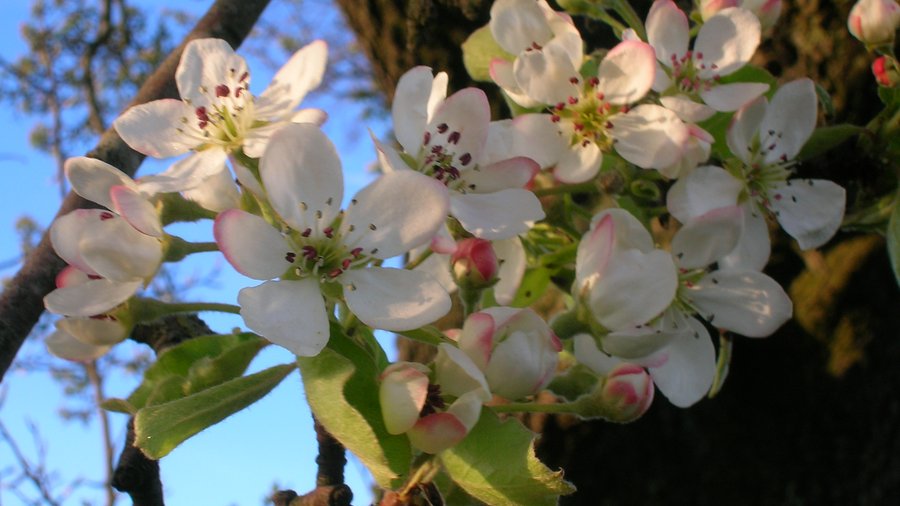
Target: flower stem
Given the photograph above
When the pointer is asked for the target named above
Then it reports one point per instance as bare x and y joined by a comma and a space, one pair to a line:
623, 8
146, 310
415, 262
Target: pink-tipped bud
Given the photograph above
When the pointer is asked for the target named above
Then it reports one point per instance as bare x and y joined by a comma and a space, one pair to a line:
474, 264
627, 392
885, 71
874, 22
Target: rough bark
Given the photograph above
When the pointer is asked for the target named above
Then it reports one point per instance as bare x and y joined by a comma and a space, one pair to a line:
21, 301
807, 416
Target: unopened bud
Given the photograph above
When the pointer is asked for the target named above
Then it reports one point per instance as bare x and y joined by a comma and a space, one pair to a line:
874, 21
767, 11
627, 392
885, 70
474, 264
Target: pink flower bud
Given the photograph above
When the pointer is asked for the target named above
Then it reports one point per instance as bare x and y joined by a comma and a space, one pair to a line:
627, 393
874, 21
474, 263
885, 71
709, 8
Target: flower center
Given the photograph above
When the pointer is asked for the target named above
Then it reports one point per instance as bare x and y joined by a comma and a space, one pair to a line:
441, 160
588, 114
760, 175
227, 117
686, 73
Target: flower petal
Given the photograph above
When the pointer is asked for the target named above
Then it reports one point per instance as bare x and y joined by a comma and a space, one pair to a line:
158, 128
497, 215
301, 171
92, 179
515, 172
635, 288
533, 136
477, 338
688, 372
732, 96
650, 136
503, 74
251, 245
415, 91
457, 374
811, 210
742, 301
668, 31
544, 74
687, 109
511, 256
518, 24
402, 394
65, 236
205, 64
97, 332
587, 353
726, 42
137, 210
302, 72
379, 221
744, 126
289, 313
118, 252
754, 246
704, 189
460, 125
707, 238
791, 118
63, 345
216, 193
187, 173
627, 72
394, 299
578, 163
95, 297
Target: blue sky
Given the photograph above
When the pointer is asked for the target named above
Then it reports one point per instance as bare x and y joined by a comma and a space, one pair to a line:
235, 462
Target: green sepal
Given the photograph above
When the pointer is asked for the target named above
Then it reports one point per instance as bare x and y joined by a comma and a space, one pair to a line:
496, 464
578, 380
478, 51
159, 429
341, 385
534, 283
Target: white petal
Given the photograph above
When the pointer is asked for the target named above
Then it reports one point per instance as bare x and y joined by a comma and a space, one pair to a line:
533, 136
90, 299
687, 109
503, 74
578, 163
395, 213
667, 31
256, 140
301, 172
649, 136
515, 172
116, 251
464, 118
511, 256
497, 215
635, 288
315, 116
594, 251
66, 232
544, 75
246, 179
457, 374
690, 368
811, 210
744, 126
205, 64
742, 301
92, 179
302, 72
97, 332
704, 189
627, 72
642, 344
517, 24
402, 394
708, 237
153, 128
137, 210
251, 245
726, 41
291, 314
65, 346
394, 299
587, 353
754, 246
438, 267
216, 193
732, 96
187, 173
792, 117
410, 108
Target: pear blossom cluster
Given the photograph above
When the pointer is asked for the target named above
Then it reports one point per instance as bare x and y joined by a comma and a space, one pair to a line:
482, 210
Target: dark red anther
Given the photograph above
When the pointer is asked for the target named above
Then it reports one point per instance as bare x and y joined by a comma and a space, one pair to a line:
329, 232
222, 90
94, 276
689, 284
536, 46
437, 149
594, 81
609, 125
201, 113
465, 159
237, 92
554, 118
453, 138
573, 80
573, 100
106, 215
442, 128
290, 256
355, 252
453, 172
777, 196
426, 138
335, 273
306, 232
699, 55
309, 252
579, 127
244, 76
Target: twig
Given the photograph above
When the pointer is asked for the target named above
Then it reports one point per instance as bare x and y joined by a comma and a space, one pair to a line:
96, 381
21, 301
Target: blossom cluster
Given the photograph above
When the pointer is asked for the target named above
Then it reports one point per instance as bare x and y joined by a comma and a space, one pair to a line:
475, 207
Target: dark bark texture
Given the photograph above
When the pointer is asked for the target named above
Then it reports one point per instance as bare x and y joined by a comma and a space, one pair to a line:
807, 416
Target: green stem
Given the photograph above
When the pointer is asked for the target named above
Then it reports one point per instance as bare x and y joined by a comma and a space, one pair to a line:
415, 262
177, 248
199, 307
533, 407
623, 8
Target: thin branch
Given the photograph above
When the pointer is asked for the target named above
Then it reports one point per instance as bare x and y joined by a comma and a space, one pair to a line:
104, 32
21, 302
96, 381
36, 475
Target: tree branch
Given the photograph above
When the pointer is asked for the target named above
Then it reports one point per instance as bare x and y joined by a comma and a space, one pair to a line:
21, 302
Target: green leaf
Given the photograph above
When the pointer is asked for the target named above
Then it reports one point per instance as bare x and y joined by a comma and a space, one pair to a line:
118, 406
496, 464
341, 386
534, 283
751, 74
159, 429
826, 138
893, 238
478, 51
230, 353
